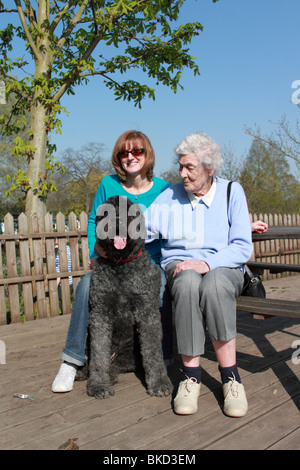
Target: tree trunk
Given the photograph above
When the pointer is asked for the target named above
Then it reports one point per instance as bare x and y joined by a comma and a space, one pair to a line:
36, 166
36, 203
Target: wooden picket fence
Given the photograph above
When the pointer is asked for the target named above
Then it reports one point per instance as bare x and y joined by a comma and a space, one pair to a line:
277, 251
28, 277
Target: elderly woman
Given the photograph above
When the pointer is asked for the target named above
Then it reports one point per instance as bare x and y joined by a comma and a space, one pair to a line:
206, 245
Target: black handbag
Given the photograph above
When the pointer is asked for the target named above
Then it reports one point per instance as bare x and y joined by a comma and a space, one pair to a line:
253, 286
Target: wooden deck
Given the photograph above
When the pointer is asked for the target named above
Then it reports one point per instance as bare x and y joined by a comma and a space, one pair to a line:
131, 419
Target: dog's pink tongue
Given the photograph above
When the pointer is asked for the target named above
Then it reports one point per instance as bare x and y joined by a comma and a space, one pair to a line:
119, 243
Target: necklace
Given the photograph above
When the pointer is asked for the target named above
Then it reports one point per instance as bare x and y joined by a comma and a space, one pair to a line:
141, 190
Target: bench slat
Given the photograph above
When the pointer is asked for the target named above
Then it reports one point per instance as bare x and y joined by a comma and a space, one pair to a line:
283, 308
273, 267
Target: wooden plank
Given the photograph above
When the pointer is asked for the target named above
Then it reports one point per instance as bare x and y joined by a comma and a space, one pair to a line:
170, 431
131, 419
74, 247
264, 395
2, 290
273, 267
269, 306
41, 303
63, 264
263, 431
51, 268
84, 241
26, 269
289, 442
11, 262
279, 233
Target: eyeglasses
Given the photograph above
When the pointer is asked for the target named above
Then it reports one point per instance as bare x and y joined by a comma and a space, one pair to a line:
134, 152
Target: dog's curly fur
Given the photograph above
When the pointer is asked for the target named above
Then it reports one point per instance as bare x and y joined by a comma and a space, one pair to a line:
124, 300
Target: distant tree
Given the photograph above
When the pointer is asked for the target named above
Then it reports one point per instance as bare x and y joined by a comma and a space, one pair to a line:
232, 165
10, 163
267, 181
172, 175
77, 186
67, 42
284, 140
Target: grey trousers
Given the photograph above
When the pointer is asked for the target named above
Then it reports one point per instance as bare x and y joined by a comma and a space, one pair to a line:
203, 301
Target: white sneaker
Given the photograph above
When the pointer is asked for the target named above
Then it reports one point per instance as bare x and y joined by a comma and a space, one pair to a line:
186, 400
235, 401
64, 380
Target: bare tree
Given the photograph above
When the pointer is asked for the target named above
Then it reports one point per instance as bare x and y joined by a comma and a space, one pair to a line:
284, 140
77, 186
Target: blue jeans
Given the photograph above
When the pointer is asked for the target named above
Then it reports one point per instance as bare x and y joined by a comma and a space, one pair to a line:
74, 350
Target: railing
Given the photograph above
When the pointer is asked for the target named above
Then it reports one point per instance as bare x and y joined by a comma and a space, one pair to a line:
28, 276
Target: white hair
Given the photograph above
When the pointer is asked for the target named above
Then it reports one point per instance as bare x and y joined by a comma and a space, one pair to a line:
204, 147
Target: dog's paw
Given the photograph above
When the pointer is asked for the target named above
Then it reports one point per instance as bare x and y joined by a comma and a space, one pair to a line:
162, 388
100, 391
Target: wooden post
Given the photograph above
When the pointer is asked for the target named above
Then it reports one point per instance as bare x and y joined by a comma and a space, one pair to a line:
3, 320
25, 268
11, 261
51, 267
39, 269
63, 263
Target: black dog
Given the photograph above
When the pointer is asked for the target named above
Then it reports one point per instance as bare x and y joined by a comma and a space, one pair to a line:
124, 303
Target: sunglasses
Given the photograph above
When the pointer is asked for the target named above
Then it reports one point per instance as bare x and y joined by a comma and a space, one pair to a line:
134, 152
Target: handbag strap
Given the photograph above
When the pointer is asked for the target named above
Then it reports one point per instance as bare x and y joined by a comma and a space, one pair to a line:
248, 271
228, 197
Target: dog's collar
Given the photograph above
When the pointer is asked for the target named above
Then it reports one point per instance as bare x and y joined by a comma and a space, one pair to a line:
127, 259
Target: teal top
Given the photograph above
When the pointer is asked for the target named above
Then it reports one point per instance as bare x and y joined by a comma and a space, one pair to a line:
111, 186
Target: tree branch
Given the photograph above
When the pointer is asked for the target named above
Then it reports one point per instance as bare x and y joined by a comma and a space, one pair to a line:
8, 10
26, 30
284, 150
58, 17
32, 15
86, 55
72, 24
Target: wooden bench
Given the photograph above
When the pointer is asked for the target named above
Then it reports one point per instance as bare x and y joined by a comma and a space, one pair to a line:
272, 307
274, 268
269, 307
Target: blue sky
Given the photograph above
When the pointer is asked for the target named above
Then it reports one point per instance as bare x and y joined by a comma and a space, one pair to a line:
248, 56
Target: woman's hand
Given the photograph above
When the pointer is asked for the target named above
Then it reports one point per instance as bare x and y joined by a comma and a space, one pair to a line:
91, 263
259, 226
199, 266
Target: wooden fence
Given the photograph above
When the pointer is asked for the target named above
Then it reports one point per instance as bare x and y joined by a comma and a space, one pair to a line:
28, 276
277, 251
